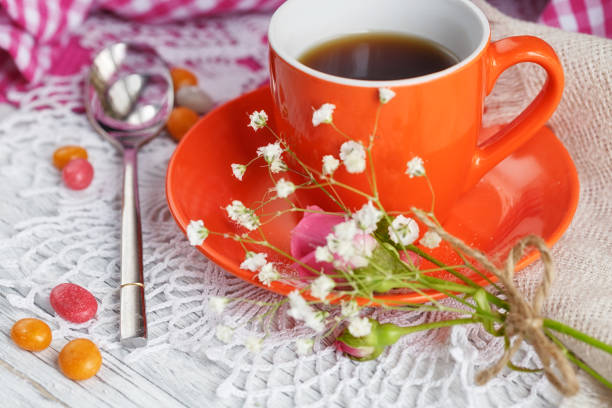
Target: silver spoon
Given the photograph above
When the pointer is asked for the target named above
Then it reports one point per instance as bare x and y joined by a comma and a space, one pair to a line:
128, 97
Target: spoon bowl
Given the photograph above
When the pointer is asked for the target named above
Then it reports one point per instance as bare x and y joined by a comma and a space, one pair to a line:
128, 98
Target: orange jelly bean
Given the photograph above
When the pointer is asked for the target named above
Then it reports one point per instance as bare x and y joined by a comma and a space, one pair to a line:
80, 359
65, 154
180, 121
182, 77
31, 334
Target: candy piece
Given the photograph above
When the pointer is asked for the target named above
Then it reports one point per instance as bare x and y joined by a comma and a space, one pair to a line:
73, 302
180, 121
80, 359
65, 154
77, 174
31, 334
195, 99
182, 77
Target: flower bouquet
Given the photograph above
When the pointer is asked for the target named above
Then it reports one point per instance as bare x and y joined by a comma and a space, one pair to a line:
343, 260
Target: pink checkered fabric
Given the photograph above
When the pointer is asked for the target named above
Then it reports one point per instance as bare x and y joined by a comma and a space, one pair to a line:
584, 16
34, 33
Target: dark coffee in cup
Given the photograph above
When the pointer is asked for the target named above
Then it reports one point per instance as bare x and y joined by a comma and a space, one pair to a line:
379, 56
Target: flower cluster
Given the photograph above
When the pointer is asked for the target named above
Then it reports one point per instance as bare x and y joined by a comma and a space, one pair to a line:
272, 155
256, 262
242, 215
332, 243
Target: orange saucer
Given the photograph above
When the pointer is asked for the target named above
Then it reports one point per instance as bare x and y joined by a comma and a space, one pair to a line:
534, 191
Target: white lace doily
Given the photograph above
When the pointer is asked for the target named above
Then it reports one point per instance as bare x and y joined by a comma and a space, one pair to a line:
50, 235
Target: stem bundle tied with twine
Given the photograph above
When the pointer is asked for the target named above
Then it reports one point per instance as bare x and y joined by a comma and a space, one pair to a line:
523, 320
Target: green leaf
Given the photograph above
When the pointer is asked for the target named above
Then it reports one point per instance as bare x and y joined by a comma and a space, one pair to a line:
377, 276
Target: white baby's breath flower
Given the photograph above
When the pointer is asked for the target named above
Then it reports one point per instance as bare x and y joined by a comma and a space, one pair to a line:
303, 346
352, 246
218, 303
349, 309
270, 152
258, 119
238, 170
415, 168
253, 344
300, 310
253, 261
284, 188
277, 166
321, 287
385, 95
346, 230
364, 246
196, 232
360, 326
323, 114
430, 240
316, 321
235, 210
298, 306
242, 215
224, 333
268, 274
403, 230
353, 156
322, 254
368, 217
330, 164
340, 241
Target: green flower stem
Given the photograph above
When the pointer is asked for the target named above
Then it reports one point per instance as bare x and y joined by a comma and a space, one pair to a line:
578, 335
341, 133
434, 261
351, 189
482, 314
308, 171
373, 174
581, 364
434, 325
458, 287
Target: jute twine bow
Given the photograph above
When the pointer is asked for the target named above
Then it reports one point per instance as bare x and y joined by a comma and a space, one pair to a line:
523, 321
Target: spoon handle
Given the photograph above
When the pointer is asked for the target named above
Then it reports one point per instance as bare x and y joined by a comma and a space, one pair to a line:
133, 326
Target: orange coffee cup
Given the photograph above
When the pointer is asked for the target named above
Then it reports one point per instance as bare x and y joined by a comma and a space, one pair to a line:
437, 117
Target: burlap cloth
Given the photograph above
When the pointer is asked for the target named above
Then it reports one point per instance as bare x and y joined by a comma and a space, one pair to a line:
582, 292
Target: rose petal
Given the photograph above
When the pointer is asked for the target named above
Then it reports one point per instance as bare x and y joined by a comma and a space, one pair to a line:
310, 260
311, 231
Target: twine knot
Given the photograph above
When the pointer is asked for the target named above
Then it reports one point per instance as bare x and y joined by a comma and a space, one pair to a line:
523, 320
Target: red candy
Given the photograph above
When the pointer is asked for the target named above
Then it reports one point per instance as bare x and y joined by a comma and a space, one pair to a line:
77, 174
73, 303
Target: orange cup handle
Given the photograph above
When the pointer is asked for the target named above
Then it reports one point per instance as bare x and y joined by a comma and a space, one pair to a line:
501, 55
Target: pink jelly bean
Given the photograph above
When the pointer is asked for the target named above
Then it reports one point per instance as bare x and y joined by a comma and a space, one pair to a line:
73, 303
77, 174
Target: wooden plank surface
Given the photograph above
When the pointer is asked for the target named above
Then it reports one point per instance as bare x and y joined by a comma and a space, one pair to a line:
34, 380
